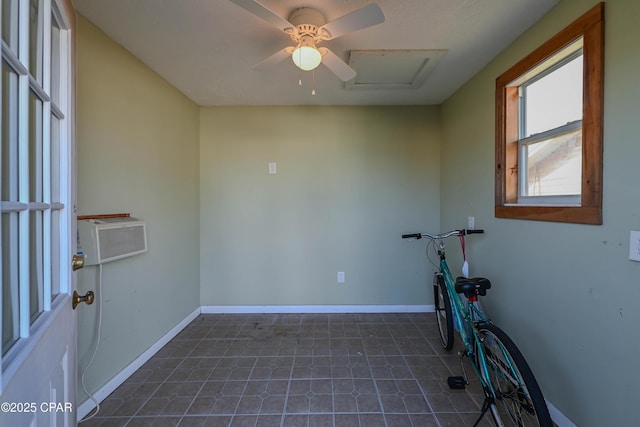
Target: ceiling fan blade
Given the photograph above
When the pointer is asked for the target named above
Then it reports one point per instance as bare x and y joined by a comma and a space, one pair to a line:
354, 21
263, 12
338, 66
272, 60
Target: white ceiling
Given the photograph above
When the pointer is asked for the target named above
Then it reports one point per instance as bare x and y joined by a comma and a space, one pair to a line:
207, 48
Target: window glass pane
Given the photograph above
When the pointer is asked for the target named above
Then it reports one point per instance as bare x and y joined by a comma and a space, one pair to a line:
55, 61
555, 99
10, 294
554, 165
9, 167
36, 277
10, 24
35, 148
55, 253
36, 39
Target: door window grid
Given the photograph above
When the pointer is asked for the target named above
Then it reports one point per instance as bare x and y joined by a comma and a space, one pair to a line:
32, 139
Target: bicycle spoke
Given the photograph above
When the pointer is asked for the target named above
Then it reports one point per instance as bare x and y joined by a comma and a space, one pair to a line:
512, 381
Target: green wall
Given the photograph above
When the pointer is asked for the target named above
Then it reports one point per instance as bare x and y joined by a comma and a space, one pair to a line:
349, 182
567, 293
137, 151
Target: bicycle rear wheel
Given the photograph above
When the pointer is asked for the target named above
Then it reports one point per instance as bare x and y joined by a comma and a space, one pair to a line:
519, 400
444, 316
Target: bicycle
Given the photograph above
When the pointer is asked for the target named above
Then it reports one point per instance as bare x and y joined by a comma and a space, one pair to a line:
505, 376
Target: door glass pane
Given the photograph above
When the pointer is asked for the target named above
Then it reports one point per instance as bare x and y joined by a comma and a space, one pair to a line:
554, 165
9, 167
10, 24
10, 294
55, 253
35, 148
555, 99
55, 61
36, 277
55, 159
36, 39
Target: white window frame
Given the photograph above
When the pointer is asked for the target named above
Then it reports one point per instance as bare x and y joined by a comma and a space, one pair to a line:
558, 60
523, 144
53, 277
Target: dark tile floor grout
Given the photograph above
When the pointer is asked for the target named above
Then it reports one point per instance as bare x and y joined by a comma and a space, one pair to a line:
284, 370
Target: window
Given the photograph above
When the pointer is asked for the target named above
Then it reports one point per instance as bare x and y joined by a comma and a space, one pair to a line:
549, 119
33, 105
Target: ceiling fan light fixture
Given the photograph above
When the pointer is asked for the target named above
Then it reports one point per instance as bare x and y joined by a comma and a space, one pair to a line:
306, 58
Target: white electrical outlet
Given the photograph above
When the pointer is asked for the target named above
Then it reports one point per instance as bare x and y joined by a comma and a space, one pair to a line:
340, 276
634, 245
272, 168
471, 223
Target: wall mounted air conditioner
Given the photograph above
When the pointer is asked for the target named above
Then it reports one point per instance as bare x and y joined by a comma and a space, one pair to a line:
105, 240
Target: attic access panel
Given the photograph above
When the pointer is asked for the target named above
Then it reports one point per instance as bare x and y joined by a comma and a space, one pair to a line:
392, 69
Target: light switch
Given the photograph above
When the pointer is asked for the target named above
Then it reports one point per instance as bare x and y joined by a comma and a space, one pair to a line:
272, 168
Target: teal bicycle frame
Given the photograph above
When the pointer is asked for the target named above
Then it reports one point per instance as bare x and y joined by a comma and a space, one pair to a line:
501, 369
464, 319
467, 317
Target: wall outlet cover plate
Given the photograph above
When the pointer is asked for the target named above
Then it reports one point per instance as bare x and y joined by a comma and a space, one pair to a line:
634, 245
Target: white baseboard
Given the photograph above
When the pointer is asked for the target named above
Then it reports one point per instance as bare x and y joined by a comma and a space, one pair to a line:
260, 309
558, 417
88, 405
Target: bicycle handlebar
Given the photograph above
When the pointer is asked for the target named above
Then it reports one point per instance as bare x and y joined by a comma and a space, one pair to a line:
441, 235
474, 231
412, 236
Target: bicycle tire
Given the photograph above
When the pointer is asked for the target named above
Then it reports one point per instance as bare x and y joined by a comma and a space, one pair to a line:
444, 314
520, 404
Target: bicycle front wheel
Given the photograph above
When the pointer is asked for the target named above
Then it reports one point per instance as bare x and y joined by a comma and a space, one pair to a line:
519, 400
444, 316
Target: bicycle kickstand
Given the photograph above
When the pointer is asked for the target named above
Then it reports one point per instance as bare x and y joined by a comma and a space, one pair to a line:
486, 405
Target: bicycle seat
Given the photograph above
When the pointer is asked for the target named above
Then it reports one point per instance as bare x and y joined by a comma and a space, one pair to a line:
473, 286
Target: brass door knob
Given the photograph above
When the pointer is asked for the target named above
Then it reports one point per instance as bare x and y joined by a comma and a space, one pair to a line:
87, 299
77, 262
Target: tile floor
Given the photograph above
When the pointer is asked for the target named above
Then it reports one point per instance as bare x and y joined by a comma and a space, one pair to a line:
297, 370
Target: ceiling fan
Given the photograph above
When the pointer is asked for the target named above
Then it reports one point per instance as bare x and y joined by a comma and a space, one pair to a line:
308, 27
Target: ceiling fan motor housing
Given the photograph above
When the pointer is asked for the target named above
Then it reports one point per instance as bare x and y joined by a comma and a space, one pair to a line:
307, 21
307, 15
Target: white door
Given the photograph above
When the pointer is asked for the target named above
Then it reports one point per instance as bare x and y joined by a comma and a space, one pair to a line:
37, 225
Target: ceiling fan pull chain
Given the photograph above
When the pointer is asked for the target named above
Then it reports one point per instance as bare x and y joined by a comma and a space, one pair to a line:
313, 89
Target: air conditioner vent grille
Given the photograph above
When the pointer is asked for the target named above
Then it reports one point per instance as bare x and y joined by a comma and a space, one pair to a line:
115, 242
104, 241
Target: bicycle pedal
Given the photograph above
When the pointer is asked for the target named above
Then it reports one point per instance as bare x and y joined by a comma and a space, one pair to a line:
457, 383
